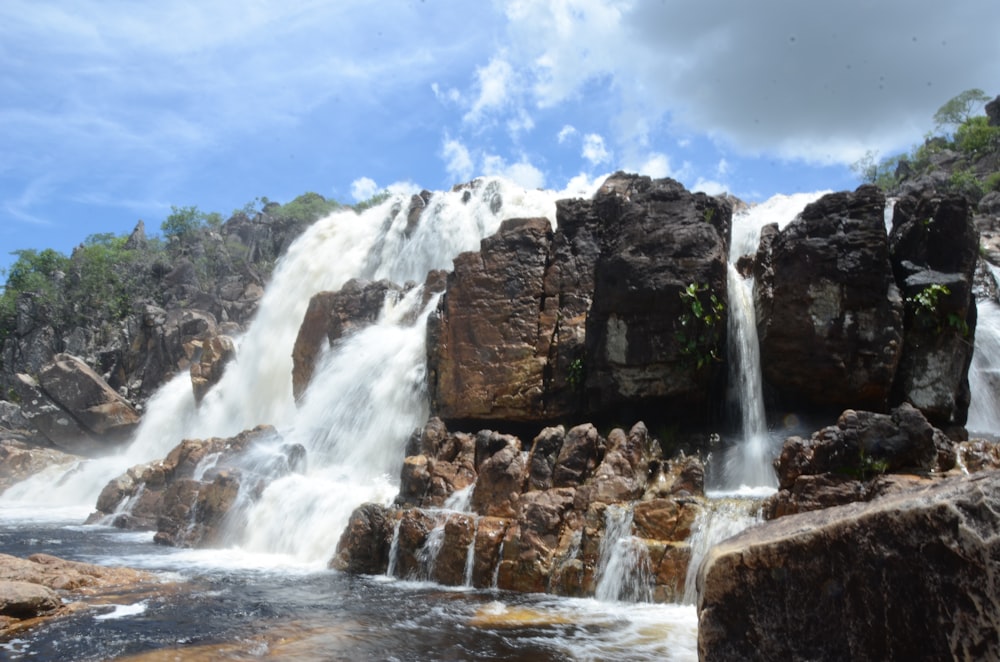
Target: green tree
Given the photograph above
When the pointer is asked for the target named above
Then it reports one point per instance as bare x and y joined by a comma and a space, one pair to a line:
182, 221
975, 136
960, 108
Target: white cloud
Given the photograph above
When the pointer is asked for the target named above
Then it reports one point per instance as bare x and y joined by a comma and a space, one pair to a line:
566, 133
722, 168
709, 186
522, 173
594, 150
458, 160
656, 165
363, 188
494, 84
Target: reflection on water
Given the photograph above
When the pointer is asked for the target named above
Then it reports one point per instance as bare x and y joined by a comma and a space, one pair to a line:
237, 606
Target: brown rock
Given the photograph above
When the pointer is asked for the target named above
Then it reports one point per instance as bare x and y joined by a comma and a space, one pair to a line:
501, 478
908, 576
364, 545
23, 600
19, 461
581, 452
206, 372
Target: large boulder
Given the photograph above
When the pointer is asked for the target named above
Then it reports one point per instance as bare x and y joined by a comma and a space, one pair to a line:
935, 247
840, 463
829, 313
619, 308
331, 316
484, 341
206, 372
75, 408
655, 331
908, 576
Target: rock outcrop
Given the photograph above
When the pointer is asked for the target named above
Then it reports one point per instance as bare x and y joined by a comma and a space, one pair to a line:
911, 575
20, 461
540, 519
829, 313
32, 589
192, 495
620, 307
848, 461
935, 248
74, 408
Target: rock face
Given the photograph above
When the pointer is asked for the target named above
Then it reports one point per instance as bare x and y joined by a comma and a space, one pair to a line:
19, 461
907, 576
656, 328
935, 247
540, 519
74, 408
216, 352
844, 463
829, 314
332, 315
191, 496
619, 307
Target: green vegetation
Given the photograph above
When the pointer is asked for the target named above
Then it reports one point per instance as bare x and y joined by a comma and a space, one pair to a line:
929, 310
699, 328
107, 275
373, 201
965, 153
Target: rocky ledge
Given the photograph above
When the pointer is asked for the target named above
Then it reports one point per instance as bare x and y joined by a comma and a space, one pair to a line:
538, 517
42, 587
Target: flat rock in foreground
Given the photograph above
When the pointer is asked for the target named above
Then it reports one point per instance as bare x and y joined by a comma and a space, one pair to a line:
912, 575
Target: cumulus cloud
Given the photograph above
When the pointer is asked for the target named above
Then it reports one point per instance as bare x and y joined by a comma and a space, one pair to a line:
594, 150
493, 88
522, 172
363, 188
565, 133
458, 160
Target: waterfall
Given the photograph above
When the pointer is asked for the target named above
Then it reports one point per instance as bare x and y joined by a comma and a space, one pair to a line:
984, 373
470, 555
721, 519
747, 463
623, 569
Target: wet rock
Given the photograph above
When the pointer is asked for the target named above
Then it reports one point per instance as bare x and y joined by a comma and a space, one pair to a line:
906, 576
20, 461
836, 464
829, 313
500, 481
216, 353
543, 456
581, 452
935, 248
21, 600
364, 545
75, 408
654, 331
331, 316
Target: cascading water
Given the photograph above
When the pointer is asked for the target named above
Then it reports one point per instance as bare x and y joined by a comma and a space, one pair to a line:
747, 464
623, 571
984, 373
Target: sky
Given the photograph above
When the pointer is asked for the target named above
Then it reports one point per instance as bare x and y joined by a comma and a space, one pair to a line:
112, 111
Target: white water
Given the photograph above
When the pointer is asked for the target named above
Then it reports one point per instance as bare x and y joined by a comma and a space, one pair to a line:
722, 518
984, 373
747, 464
623, 569
367, 395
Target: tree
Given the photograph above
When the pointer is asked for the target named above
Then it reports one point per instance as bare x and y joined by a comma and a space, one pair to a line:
960, 108
182, 221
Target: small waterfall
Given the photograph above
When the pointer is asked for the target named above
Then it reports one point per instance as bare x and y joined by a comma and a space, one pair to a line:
390, 570
984, 373
460, 501
428, 554
470, 555
721, 519
623, 571
496, 568
747, 464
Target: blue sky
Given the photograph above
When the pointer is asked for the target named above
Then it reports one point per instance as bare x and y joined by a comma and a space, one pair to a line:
114, 110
